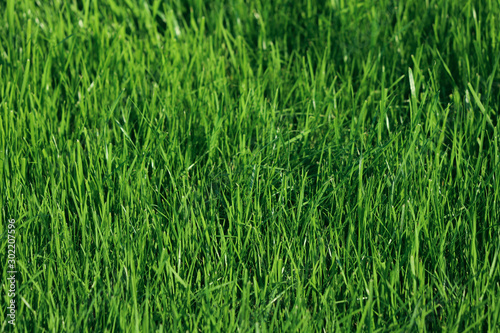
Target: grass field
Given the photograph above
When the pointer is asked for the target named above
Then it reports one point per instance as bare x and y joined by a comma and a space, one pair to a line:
240, 165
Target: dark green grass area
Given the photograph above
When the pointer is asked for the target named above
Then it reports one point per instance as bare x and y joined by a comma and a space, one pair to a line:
248, 165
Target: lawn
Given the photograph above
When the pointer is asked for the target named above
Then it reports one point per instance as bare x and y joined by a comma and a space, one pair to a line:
249, 165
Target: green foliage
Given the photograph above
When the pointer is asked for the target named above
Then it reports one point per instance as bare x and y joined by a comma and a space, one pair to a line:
282, 165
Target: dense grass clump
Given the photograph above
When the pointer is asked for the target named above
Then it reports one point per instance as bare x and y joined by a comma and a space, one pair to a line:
239, 165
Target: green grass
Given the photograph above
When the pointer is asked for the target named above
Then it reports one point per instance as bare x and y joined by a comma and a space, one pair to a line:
256, 165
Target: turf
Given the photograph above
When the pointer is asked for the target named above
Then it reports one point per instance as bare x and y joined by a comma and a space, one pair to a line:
246, 166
